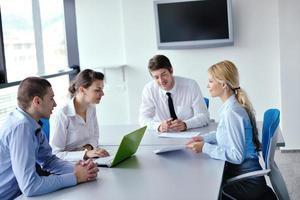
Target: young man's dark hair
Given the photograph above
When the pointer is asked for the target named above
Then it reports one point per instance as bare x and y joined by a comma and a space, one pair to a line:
29, 88
159, 62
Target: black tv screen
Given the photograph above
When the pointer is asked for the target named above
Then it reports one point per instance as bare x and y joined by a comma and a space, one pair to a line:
193, 23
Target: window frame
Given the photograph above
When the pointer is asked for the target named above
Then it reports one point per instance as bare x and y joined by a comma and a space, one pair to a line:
71, 39
3, 75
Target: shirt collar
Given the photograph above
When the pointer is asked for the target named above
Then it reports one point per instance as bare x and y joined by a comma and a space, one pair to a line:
172, 91
228, 103
71, 108
36, 125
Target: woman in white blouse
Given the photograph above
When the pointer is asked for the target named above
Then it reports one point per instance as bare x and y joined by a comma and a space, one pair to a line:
236, 139
74, 131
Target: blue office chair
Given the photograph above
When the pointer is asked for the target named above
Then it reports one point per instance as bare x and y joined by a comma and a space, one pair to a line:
45, 127
275, 176
46, 131
206, 102
269, 140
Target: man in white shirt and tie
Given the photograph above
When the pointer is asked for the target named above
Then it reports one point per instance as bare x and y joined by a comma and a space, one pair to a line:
171, 103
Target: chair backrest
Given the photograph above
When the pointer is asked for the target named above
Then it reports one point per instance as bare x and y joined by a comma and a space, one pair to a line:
45, 127
206, 102
269, 140
269, 135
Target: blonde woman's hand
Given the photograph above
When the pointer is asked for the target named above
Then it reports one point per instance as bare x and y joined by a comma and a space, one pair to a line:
195, 146
195, 139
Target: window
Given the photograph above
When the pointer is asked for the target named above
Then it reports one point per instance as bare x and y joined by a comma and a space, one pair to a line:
8, 96
35, 34
18, 39
24, 24
8, 102
54, 42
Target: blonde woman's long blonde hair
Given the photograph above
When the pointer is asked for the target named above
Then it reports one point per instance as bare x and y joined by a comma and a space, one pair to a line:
226, 72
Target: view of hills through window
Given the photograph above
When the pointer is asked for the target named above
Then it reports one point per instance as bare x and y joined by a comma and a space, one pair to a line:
34, 37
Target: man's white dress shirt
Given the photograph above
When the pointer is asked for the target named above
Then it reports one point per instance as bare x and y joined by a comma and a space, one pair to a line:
188, 103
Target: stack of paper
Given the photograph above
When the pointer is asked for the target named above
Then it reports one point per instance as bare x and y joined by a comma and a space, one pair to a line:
185, 134
169, 148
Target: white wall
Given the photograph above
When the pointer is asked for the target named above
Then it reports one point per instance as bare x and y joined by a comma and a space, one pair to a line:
101, 46
256, 52
289, 15
100, 32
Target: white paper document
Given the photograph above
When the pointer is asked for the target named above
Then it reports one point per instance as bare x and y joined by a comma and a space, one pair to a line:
185, 134
169, 148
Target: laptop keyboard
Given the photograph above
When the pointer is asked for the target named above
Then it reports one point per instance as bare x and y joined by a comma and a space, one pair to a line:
105, 160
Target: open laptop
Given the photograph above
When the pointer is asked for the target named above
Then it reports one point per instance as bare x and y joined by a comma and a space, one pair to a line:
127, 148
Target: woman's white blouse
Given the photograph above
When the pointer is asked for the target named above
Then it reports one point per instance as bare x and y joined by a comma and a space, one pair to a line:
69, 132
232, 141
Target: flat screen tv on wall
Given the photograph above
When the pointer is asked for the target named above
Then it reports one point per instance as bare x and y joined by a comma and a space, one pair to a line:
188, 24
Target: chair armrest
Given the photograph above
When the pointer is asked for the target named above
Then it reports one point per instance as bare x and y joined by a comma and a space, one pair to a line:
248, 175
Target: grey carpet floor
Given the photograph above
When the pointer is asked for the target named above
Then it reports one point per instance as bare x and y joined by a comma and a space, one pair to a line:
289, 165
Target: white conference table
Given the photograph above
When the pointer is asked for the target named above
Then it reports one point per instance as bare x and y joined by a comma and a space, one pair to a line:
113, 134
174, 175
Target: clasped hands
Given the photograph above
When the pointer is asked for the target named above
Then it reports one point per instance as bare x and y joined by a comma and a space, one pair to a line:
172, 125
85, 171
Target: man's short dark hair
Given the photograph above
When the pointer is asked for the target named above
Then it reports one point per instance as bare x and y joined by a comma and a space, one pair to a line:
29, 88
159, 62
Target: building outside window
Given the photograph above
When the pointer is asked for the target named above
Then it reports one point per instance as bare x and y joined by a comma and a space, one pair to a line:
34, 37
34, 43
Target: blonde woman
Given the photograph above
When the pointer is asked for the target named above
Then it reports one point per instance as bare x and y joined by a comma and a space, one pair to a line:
236, 139
74, 131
